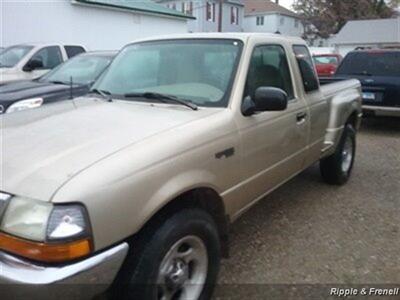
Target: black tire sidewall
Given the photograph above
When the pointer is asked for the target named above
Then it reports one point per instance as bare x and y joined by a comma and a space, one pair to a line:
331, 167
141, 269
349, 132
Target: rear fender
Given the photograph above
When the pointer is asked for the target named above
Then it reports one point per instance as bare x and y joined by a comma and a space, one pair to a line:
343, 106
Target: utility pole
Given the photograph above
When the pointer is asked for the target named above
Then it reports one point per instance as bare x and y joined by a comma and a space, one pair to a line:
221, 2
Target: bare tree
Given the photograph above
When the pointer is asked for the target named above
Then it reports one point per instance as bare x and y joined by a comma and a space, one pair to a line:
325, 17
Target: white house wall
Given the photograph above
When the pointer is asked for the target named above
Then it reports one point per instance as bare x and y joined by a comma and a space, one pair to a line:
272, 24
202, 25
226, 19
95, 28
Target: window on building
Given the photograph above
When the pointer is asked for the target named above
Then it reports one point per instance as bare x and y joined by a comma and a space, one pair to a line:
210, 11
187, 8
269, 68
49, 56
235, 15
260, 21
282, 21
296, 23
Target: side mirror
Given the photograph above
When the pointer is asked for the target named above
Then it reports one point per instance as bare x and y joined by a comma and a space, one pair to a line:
265, 99
33, 64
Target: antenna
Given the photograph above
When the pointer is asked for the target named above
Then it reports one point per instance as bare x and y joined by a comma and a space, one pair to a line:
70, 88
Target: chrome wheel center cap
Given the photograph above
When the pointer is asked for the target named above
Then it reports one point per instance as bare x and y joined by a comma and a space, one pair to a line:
178, 275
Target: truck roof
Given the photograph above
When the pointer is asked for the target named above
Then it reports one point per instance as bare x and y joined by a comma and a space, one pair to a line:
244, 36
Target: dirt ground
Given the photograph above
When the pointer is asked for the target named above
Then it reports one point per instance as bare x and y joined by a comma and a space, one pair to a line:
307, 232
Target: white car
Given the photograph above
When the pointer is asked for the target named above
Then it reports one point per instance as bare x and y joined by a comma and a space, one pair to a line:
30, 61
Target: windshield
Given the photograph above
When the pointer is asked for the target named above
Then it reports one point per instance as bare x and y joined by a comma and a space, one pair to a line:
199, 71
83, 69
325, 60
371, 63
10, 56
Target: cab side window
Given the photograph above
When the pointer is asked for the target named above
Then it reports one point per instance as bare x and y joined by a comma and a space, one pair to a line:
269, 68
49, 56
307, 70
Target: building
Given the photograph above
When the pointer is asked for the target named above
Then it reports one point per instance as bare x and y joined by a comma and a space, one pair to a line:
96, 24
207, 14
368, 34
268, 16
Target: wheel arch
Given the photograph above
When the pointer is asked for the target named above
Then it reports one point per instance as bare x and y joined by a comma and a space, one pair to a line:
201, 197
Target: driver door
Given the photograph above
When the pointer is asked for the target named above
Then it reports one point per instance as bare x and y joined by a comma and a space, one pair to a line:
273, 143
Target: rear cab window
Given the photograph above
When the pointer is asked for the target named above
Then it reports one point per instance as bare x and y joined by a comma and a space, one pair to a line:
307, 70
74, 50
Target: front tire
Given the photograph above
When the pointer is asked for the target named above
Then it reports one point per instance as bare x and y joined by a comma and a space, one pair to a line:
336, 168
175, 259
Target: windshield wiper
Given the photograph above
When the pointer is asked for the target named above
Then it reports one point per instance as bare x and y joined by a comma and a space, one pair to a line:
163, 98
105, 94
58, 82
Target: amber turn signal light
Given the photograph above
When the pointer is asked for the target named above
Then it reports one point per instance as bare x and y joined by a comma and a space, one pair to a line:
45, 252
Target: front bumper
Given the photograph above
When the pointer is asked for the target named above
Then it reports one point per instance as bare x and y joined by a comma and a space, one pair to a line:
22, 279
382, 110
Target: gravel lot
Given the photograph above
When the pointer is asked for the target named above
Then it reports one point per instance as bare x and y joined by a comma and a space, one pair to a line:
307, 232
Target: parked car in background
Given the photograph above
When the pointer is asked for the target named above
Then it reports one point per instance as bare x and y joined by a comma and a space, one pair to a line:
326, 64
70, 79
379, 73
136, 184
30, 61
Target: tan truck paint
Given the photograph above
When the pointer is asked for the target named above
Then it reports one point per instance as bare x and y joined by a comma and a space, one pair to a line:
126, 160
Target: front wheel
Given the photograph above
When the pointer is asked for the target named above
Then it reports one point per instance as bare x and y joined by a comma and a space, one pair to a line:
177, 259
336, 169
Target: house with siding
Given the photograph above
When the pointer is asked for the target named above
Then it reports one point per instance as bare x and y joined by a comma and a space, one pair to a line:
268, 16
207, 14
96, 24
379, 33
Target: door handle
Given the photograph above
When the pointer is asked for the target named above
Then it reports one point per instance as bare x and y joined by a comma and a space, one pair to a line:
301, 117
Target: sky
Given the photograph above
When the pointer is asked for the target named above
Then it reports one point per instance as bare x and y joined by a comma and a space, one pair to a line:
286, 3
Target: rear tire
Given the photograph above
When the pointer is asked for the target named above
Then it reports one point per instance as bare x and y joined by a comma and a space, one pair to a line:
336, 168
178, 258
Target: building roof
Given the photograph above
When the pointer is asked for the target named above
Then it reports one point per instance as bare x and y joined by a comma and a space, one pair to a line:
233, 2
369, 32
138, 6
262, 7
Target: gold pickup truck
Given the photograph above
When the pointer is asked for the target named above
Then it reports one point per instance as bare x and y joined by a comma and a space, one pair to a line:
130, 190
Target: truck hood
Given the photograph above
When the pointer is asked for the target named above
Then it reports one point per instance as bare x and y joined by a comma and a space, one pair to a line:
43, 148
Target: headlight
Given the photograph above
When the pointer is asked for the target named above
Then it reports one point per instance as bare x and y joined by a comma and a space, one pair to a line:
3, 202
25, 104
43, 231
27, 219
